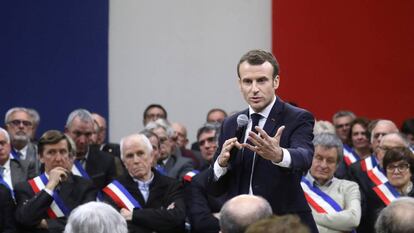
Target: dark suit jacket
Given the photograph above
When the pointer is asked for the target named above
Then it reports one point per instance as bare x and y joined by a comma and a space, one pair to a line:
280, 186
154, 215
201, 205
177, 166
7, 207
112, 148
100, 167
21, 170
31, 207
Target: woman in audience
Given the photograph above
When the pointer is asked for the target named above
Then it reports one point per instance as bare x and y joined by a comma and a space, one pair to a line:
399, 169
359, 137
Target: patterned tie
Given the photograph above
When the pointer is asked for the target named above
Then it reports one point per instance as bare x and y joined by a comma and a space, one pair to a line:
248, 156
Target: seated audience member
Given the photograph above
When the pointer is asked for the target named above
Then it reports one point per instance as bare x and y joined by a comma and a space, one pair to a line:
407, 128
156, 202
19, 124
214, 116
241, 211
399, 169
335, 203
174, 164
90, 162
397, 217
12, 170
182, 141
323, 127
279, 224
36, 121
207, 140
369, 173
7, 208
95, 217
342, 122
112, 148
45, 202
154, 112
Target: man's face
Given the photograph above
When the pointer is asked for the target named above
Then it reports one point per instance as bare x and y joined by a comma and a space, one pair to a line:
180, 135
4, 149
208, 144
359, 137
81, 132
101, 133
56, 155
165, 143
388, 142
137, 159
20, 127
342, 127
380, 130
216, 116
324, 163
155, 148
257, 84
153, 114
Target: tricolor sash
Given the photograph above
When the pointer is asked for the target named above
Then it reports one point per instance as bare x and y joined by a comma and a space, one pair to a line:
14, 155
118, 193
161, 169
318, 199
57, 209
386, 192
2, 181
377, 176
350, 156
78, 170
189, 175
369, 163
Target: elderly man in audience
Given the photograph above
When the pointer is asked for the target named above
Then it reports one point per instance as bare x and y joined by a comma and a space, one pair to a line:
12, 170
112, 148
335, 203
154, 112
45, 202
170, 160
370, 175
241, 211
149, 201
342, 122
397, 217
181, 141
279, 224
90, 162
95, 217
20, 124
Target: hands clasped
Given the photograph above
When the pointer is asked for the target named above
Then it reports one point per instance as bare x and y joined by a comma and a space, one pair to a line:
264, 145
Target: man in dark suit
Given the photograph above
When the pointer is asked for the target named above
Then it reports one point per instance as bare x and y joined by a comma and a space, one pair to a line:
99, 165
159, 199
13, 171
45, 202
7, 207
271, 163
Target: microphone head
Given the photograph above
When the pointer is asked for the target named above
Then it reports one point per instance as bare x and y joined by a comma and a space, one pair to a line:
242, 120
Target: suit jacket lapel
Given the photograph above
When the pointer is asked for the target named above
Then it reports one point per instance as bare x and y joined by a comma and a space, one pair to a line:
15, 171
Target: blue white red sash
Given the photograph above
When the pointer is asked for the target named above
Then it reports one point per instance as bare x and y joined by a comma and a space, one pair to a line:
161, 169
318, 199
350, 156
14, 155
369, 163
386, 192
57, 209
118, 193
77, 169
189, 175
3, 182
377, 176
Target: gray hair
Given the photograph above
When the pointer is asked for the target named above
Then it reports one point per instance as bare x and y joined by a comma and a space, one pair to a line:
330, 140
83, 114
323, 127
161, 123
343, 113
95, 217
241, 211
6, 135
35, 116
138, 138
17, 109
397, 217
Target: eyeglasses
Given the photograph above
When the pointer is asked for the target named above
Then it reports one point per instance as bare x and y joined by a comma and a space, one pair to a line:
347, 125
17, 123
210, 140
378, 135
402, 167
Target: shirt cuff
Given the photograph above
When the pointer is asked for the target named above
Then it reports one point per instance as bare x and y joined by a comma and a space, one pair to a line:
50, 192
286, 160
219, 171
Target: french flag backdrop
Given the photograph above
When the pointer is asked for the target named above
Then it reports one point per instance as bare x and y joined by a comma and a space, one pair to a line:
117, 57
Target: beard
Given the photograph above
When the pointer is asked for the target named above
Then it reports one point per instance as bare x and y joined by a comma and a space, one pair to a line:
23, 138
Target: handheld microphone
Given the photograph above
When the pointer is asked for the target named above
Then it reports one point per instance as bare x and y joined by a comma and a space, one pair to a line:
242, 121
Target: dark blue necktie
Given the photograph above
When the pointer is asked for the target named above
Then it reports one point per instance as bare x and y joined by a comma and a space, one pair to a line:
248, 156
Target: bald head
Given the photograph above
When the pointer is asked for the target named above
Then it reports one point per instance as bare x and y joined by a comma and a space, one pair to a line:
101, 132
397, 217
390, 141
381, 128
241, 211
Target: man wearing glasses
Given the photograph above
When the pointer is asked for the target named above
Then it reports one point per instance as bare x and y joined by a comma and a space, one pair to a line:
19, 124
342, 122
